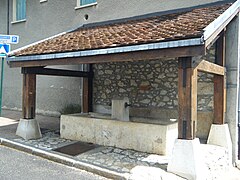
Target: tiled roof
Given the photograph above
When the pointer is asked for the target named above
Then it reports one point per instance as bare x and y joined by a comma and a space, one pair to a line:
169, 27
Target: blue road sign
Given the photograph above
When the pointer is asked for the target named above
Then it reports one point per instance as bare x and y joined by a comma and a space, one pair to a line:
9, 39
4, 49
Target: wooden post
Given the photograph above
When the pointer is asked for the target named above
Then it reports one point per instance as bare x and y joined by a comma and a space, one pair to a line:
220, 83
29, 96
87, 92
187, 98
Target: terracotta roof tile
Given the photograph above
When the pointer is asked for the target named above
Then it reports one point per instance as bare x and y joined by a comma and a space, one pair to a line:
148, 30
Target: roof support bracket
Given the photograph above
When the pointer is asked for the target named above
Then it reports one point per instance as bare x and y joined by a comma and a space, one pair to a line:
208, 67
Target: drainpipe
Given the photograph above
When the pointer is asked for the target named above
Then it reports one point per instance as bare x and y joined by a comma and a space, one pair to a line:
1, 85
239, 122
8, 16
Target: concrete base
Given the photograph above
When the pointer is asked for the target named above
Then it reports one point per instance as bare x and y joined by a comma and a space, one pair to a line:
187, 160
219, 135
151, 138
28, 129
204, 118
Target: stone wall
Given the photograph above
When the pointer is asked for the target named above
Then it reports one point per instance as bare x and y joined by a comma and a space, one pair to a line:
151, 86
147, 83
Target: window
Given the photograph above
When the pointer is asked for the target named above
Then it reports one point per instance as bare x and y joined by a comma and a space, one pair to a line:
85, 2
19, 10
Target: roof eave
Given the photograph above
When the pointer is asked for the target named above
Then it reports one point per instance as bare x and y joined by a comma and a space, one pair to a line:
211, 32
114, 50
11, 53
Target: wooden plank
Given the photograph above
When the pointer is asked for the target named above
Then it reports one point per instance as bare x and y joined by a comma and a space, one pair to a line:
87, 92
220, 83
208, 67
187, 98
54, 72
29, 96
118, 57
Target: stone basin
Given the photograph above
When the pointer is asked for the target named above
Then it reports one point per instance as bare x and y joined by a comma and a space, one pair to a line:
141, 134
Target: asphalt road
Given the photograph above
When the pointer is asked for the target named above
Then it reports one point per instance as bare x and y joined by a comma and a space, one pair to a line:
17, 165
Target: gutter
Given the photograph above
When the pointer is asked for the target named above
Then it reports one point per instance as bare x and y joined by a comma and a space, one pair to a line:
124, 49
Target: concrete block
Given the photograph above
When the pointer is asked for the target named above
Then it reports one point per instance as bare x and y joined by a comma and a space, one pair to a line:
151, 138
219, 135
187, 160
204, 123
216, 159
28, 129
119, 109
151, 173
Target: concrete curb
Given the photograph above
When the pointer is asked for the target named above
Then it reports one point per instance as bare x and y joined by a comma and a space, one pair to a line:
56, 157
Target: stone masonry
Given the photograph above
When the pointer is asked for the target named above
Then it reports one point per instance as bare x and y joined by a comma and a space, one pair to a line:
152, 89
148, 84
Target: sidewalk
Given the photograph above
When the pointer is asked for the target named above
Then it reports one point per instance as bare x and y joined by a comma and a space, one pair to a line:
114, 163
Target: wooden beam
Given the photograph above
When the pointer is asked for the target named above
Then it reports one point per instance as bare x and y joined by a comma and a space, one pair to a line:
85, 102
208, 67
54, 72
187, 98
118, 57
220, 83
90, 89
87, 91
29, 96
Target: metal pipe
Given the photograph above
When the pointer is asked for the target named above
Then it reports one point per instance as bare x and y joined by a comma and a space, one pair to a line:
8, 17
238, 127
1, 85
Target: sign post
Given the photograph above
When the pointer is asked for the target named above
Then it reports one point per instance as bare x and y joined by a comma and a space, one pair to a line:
5, 41
1, 85
4, 49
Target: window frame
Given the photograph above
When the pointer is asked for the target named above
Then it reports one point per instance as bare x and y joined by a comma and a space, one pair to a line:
15, 18
42, 1
79, 6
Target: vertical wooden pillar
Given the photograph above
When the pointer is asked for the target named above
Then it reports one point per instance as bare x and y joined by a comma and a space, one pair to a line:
187, 98
220, 83
29, 96
87, 91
